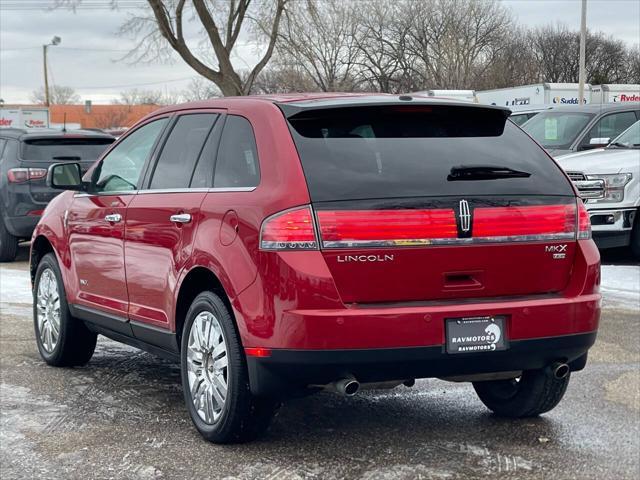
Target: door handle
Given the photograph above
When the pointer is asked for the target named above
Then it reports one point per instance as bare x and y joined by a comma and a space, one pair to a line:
113, 218
180, 218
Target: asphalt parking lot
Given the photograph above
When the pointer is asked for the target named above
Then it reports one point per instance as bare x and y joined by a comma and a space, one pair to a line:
122, 416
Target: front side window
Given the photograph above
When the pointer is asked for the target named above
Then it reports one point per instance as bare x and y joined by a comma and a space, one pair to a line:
178, 159
121, 169
237, 161
610, 127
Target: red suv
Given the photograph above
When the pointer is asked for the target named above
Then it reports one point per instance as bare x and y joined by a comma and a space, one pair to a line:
288, 244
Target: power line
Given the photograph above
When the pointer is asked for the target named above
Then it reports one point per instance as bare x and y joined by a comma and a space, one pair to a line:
99, 87
30, 5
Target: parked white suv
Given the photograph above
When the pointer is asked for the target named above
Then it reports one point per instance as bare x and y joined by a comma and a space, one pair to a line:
609, 181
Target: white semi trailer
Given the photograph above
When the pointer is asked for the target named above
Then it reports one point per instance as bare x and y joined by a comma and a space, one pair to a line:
615, 93
24, 118
538, 94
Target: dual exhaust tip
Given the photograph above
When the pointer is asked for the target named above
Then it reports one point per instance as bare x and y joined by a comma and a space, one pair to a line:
349, 386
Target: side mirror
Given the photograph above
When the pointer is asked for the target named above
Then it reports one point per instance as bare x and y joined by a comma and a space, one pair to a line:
65, 176
596, 142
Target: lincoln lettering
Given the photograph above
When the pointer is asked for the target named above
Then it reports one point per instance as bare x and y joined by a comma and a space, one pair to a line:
364, 258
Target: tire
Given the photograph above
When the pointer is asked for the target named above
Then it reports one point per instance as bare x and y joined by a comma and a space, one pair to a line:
241, 417
635, 237
74, 343
8, 244
534, 393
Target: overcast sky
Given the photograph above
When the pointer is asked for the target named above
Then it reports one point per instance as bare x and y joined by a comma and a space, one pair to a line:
87, 58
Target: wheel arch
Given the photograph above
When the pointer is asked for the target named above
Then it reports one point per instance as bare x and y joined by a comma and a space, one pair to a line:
199, 279
40, 246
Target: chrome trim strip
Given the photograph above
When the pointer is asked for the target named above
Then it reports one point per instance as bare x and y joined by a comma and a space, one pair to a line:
170, 190
446, 241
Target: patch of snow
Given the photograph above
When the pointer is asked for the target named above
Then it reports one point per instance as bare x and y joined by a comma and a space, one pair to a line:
15, 286
621, 285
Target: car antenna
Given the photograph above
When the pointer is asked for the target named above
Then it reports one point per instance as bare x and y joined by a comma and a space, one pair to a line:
64, 122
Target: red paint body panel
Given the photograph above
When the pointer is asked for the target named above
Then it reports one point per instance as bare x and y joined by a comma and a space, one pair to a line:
97, 251
156, 251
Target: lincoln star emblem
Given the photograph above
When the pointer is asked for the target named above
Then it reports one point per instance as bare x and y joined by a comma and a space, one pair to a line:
465, 216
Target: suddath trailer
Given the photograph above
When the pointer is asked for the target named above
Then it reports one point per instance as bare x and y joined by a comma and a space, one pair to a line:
536, 95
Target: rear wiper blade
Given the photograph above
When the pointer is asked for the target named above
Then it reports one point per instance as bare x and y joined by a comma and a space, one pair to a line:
484, 172
66, 157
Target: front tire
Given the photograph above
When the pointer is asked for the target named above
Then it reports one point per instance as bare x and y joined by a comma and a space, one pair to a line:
8, 244
215, 381
63, 341
533, 393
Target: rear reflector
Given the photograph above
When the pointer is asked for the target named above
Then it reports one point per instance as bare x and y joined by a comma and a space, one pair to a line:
258, 352
35, 213
289, 230
385, 227
525, 221
584, 222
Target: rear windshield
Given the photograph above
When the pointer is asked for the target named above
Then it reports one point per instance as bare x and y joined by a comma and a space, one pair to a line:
557, 130
354, 153
64, 149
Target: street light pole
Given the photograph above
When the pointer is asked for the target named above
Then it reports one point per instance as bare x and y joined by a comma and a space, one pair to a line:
54, 41
583, 47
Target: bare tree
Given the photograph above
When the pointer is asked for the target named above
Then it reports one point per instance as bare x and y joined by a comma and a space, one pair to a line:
58, 95
221, 22
382, 62
135, 96
281, 79
200, 88
453, 42
318, 39
633, 65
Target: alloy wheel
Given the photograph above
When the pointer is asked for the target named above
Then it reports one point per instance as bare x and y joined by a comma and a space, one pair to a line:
48, 310
207, 366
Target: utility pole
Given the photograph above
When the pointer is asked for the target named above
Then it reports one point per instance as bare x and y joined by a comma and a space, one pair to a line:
46, 77
583, 49
54, 41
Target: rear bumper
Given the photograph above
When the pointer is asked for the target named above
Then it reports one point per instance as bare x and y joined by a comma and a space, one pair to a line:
288, 371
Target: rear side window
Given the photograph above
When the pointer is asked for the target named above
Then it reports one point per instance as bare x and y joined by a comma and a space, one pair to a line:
357, 153
237, 161
64, 149
181, 151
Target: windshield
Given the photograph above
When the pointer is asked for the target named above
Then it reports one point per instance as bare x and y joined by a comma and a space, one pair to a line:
64, 149
630, 138
557, 130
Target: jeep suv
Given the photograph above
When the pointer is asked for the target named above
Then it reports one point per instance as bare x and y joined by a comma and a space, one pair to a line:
25, 156
276, 246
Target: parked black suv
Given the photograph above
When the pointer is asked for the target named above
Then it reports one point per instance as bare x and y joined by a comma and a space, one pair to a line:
25, 156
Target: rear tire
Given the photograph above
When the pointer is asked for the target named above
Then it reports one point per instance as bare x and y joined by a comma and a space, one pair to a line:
63, 341
8, 244
635, 237
214, 373
534, 393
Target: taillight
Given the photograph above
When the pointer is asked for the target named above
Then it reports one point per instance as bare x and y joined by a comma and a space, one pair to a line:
22, 175
527, 221
584, 222
385, 227
289, 230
